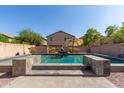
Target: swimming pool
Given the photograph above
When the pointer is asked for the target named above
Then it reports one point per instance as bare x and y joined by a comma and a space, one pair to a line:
55, 58
62, 58
72, 58
114, 60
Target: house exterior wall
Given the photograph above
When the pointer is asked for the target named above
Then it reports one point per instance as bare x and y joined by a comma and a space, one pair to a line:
58, 38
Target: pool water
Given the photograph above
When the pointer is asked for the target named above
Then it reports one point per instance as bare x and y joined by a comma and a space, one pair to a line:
72, 58
117, 61
61, 59
114, 60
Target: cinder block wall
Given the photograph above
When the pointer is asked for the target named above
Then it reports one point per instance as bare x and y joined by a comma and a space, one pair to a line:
10, 50
82, 48
109, 49
39, 49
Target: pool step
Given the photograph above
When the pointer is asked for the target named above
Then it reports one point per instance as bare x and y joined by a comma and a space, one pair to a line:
58, 67
60, 73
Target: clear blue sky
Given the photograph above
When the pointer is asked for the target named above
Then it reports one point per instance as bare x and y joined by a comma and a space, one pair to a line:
48, 19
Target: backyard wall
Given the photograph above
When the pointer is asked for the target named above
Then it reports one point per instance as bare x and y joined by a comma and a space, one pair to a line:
81, 48
39, 49
9, 50
108, 49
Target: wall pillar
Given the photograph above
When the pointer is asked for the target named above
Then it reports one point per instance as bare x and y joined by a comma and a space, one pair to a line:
100, 66
21, 67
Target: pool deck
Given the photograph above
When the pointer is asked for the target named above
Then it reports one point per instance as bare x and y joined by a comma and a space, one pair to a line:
60, 82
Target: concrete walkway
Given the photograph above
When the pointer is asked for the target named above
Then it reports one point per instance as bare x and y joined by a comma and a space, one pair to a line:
60, 82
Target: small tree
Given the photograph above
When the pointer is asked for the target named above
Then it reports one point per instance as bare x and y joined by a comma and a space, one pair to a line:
90, 37
52, 49
110, 30
30, 37
118, 37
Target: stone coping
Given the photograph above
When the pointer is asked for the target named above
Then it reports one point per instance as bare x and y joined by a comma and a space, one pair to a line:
97, 58
117, 64
77, 64
8, 61
9, 58
67, 54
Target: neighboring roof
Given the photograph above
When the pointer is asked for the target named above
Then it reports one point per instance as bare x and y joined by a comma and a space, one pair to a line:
8, 35
44, 38
59, 32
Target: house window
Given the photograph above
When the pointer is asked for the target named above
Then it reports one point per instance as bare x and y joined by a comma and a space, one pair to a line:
51, 39
66, 38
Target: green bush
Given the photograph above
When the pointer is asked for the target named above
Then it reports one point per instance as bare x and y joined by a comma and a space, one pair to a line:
3, 39
30, 37
52, 49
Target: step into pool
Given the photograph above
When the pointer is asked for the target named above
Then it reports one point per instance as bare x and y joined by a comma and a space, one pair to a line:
62, 58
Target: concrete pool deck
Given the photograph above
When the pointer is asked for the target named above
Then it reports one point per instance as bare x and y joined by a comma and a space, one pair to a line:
60, 82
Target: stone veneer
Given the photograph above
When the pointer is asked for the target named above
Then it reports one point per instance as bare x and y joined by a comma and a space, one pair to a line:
100, 66
5, 68
21, 66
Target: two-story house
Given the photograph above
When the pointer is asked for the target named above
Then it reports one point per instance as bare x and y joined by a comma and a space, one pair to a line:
58, 39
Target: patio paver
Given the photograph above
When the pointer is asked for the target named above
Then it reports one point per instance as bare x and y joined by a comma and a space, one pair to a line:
60, 82
60, 73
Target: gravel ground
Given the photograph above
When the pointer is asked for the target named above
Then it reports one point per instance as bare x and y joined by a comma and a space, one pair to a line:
5, 79
117, 79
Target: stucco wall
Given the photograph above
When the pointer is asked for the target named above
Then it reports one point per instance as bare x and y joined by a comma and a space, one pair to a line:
108, 49
9, 50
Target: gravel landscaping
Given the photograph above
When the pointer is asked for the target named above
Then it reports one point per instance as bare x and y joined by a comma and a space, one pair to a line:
117, 79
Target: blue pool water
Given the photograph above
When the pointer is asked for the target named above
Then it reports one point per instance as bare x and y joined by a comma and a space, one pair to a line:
114, 60
61, 59
69, 58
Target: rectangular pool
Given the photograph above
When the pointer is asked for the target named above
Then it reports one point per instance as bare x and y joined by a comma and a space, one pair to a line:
62, 59
72, 58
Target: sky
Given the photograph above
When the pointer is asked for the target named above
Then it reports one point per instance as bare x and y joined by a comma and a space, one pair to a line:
48, 19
